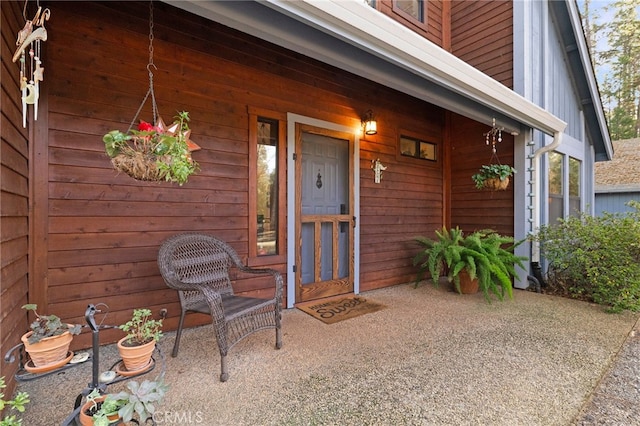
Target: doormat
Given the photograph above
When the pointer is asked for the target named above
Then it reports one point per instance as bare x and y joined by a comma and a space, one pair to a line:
339, 309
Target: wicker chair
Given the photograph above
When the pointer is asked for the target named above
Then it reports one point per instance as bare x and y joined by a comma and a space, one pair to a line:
199, 267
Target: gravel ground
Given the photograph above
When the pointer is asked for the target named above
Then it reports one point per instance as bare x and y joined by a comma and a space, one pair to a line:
431, 357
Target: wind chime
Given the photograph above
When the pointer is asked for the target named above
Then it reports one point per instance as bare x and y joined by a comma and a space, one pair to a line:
29, 43
493, 136
494, 176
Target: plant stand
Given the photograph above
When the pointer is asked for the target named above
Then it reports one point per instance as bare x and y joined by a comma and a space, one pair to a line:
24, 375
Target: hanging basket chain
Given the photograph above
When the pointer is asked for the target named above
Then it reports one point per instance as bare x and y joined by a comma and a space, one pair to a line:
151, 92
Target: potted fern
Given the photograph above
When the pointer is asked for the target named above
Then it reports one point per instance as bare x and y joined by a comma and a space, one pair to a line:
483, 256
142, 334
494, 177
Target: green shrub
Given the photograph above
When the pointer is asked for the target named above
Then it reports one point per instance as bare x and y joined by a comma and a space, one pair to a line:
595, 258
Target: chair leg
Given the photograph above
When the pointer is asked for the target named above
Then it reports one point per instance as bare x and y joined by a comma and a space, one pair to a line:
224, 373
278, 337
176, 345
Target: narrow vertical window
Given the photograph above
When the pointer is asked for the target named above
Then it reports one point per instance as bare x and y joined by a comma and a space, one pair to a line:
556, 186
575, 172
267, 187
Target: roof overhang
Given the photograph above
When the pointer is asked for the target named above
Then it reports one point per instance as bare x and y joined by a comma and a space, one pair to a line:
357, 38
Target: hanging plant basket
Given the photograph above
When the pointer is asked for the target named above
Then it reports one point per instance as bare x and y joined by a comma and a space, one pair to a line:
496, 184
154, 153
140, 166
493, 177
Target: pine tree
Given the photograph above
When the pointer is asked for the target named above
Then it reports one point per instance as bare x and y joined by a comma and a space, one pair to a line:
622, 85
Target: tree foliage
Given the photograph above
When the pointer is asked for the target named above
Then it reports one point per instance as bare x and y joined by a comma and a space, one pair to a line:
613, 35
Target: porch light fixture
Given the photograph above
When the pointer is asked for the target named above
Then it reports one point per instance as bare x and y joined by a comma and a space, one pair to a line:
369, 124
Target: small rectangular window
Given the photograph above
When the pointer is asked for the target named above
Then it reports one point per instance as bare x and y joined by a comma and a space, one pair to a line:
411, 147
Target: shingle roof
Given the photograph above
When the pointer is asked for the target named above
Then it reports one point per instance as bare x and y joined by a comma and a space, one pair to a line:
624, 167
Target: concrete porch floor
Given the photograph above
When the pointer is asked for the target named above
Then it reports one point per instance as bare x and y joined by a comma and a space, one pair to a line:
431, 357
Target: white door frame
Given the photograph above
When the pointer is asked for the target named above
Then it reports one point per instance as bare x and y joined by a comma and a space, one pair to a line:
292, 120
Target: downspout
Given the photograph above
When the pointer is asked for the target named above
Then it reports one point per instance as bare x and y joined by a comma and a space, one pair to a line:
535, 203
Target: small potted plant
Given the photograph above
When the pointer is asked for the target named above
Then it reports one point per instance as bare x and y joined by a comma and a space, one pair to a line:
494, 177
142, 334
485, 257
49, 339
154, 152
16, 404
99, 409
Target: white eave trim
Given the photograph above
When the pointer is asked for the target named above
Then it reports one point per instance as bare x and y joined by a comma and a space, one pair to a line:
360, 25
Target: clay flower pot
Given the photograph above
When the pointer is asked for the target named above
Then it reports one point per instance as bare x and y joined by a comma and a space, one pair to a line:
86, 420
136, 358
48, 351
467, 285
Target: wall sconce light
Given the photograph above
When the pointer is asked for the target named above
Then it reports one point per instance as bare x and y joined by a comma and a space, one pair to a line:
369, 124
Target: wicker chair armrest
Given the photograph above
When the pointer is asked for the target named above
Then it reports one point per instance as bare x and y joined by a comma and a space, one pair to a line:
214, 299
264, 271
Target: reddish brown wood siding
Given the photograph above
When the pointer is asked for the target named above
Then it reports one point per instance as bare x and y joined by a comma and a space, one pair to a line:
14, 195
472, 209
104, 229
482, 35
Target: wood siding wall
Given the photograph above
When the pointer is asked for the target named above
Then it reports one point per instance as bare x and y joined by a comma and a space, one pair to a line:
14, 195
101, 231
472, 209
482, 35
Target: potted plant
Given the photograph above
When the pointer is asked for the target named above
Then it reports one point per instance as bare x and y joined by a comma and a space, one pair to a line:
154, 153
485, 256
494, 177
16, 404
49, 339
142, 334
99, 410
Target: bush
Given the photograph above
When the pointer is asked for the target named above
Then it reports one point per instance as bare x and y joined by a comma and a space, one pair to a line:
595, 258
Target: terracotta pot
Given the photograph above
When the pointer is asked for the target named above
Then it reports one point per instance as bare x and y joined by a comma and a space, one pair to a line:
86, 420
136, 357
467, 285
49, 350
